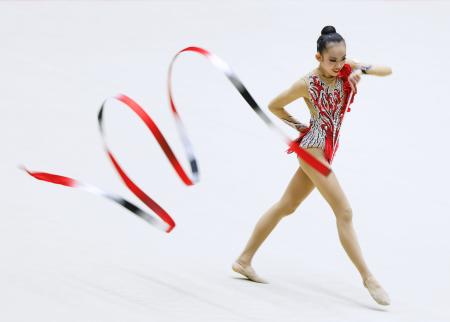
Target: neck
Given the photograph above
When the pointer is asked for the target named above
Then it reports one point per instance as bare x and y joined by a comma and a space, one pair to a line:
324, 74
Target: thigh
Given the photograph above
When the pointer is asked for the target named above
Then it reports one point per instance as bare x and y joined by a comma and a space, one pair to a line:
298, 188
328, 186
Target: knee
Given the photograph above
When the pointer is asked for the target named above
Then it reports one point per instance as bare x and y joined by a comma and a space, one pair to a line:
287, 207
344, 214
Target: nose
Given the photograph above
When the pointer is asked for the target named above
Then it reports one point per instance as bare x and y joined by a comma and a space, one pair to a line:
339, 66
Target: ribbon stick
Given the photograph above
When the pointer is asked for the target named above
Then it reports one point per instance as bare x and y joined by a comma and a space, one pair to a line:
165, 221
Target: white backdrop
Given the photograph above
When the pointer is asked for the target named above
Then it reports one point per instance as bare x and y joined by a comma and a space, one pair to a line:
70, 256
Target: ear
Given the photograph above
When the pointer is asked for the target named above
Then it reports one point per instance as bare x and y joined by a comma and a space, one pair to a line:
318, 57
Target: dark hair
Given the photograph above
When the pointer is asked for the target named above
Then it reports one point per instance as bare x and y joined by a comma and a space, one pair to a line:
328, 34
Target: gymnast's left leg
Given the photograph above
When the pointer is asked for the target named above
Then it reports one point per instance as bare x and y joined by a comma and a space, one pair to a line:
331, 190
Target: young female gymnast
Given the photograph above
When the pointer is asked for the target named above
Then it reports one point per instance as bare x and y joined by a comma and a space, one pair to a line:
324, 91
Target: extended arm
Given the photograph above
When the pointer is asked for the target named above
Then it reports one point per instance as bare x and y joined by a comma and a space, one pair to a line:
377, 70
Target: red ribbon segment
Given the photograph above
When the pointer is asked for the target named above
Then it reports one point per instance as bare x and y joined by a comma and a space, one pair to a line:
168, 223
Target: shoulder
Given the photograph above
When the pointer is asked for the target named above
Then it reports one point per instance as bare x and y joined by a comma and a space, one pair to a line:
297, 89
352, 62
300, 86
306, 77
346, 70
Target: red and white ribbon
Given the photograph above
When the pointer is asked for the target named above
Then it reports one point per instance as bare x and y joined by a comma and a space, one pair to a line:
165, 221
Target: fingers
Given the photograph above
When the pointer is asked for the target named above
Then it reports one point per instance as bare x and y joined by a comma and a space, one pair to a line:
352, 85
354, 79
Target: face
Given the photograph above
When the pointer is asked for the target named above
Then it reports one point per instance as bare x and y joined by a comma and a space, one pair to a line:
333, 58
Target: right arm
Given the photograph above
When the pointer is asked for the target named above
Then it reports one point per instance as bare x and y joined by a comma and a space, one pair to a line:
276, 106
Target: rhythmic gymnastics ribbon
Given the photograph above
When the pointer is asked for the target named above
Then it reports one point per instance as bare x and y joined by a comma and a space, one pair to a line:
167, 223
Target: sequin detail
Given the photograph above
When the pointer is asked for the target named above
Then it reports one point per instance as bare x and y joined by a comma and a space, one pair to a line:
327, 103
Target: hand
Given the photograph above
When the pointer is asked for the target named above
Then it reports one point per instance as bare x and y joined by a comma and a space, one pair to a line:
354, 78
299, 126
302, 127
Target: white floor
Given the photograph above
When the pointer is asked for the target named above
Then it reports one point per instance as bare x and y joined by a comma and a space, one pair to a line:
66, 255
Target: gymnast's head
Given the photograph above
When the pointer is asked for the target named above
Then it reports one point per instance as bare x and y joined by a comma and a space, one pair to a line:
331, 51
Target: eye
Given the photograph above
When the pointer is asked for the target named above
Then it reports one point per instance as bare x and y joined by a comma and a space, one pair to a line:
334, 60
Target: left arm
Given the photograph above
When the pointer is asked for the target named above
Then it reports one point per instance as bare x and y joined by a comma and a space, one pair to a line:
359, 68
376, 70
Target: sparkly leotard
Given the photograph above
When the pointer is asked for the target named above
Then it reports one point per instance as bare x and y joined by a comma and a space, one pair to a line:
327, 107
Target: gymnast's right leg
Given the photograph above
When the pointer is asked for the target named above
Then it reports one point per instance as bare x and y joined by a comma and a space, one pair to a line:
298, 189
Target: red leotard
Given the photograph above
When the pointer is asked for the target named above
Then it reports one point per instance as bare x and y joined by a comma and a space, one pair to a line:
326, 104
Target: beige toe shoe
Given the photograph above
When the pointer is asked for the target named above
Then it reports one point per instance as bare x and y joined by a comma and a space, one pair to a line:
248, 272
376, 291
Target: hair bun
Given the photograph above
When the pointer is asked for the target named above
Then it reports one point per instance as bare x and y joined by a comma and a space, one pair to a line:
328, 30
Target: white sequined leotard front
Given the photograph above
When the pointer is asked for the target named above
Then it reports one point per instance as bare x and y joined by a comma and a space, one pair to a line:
326, 118
327, 105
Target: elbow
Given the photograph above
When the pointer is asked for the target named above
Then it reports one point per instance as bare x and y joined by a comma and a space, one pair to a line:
273, 107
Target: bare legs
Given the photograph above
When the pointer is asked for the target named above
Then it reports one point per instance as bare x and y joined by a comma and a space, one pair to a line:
330, 189
332, 192
297, 190
300, 186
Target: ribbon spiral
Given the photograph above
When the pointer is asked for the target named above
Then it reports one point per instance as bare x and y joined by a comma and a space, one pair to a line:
165, 221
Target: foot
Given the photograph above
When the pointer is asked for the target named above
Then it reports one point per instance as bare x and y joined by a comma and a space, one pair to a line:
376, 291
248, 272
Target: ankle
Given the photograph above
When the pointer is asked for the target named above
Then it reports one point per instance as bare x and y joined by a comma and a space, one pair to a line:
367, 275
244, 261
371, 281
